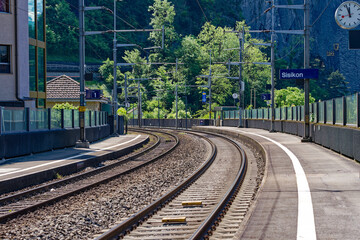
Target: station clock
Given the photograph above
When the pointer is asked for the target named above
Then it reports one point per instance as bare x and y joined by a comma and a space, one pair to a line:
347, 15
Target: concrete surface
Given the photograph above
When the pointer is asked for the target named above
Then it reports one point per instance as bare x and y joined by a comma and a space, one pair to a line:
25, 171
334, 183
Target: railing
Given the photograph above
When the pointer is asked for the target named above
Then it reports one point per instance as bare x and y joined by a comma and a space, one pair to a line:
344, 111
25, 120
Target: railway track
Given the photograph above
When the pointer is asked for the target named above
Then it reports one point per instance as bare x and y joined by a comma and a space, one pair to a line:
22, 202
194, 208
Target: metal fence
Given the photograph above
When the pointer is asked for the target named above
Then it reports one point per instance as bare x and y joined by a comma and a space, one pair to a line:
46, 119
339, 111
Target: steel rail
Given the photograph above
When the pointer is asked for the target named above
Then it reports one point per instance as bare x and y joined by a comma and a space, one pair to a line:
209, 225
206, 229
62, 182
82, 176
131, 223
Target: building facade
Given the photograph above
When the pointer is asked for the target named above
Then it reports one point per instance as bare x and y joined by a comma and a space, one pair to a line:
64, 89
22, 53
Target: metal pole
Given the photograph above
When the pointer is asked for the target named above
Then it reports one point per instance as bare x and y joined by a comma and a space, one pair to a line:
139, 105
126, 93
251, 95
306, 137
241, 44
114, 74
159, 111
1, 120
176, 94
82, 143
176, 68
126, 102
210, 90
255, 98
186, 109
272, 68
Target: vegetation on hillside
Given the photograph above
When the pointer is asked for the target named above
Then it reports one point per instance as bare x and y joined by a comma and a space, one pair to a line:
192, 40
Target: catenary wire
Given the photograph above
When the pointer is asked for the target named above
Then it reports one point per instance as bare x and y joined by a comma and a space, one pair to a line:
202, 10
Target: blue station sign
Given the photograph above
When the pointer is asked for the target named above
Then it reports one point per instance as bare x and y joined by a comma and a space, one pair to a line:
299, 74
203, 97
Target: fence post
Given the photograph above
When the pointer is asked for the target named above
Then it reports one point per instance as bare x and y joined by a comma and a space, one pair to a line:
358, 110
344, 110
89, 113
27, 117
317, 111
1, 119
280, 114
49, 118
72, 118
62, 113
334, 113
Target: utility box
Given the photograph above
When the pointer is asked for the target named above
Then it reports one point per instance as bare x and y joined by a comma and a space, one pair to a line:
121, 125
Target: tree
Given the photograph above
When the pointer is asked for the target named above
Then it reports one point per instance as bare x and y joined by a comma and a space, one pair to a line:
181, 110
337, 85
106, 73
64, 36
65, 106
221, 88
122, 112
163, 14
154, 108
291, 96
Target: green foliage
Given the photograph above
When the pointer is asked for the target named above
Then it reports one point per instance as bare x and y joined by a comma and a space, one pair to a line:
65, 106
64, 36
58, 176
122, 112
154, 109
181, 110
155, 114
331, 84
163, 14
290, 96
189, 38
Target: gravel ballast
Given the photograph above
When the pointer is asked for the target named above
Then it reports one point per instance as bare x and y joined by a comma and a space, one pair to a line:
84, 215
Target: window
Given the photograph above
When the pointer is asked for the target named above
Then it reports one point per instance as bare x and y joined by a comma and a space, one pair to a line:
31, 18
41, 69
41, 103
32, 67
4, 59
4, 6
40, 20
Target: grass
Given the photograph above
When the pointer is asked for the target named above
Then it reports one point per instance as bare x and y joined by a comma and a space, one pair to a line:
58, 176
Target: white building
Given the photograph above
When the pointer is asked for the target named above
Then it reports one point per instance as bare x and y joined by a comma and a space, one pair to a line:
22, 53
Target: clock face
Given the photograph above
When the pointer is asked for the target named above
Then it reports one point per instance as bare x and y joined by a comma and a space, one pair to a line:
347, 15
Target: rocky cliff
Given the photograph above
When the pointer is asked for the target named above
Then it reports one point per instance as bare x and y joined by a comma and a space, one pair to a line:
329, 41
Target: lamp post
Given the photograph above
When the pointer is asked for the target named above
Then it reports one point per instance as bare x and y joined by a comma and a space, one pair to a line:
82, 143
114, 74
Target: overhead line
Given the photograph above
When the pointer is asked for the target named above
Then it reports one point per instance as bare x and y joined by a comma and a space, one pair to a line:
202, 11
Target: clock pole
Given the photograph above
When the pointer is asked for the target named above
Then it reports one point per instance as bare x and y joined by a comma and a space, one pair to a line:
306, 137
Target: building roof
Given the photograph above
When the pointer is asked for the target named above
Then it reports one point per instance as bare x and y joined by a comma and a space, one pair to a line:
63, 87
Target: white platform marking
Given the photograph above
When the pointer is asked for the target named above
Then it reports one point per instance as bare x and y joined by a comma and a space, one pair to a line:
61, 160
4, 170
306, 223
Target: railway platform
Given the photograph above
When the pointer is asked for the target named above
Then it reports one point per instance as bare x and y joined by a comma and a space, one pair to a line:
308, 191
25, 171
